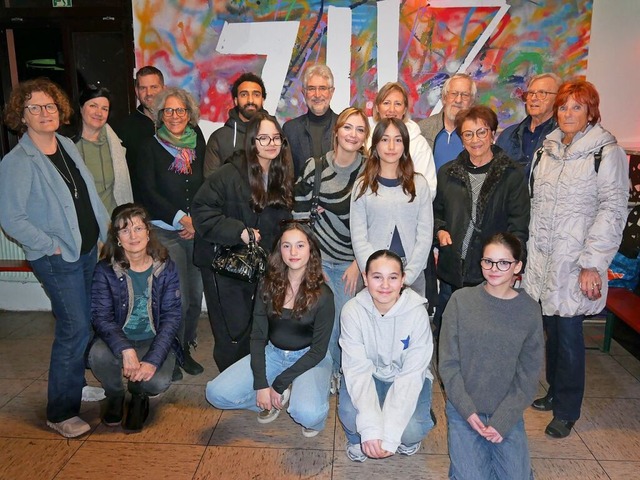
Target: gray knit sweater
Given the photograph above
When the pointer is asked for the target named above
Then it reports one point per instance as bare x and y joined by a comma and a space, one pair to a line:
491, 354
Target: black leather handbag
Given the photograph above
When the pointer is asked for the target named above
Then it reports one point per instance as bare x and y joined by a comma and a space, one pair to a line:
242, 262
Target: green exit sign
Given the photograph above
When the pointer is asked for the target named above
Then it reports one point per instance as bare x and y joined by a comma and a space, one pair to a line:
61, 3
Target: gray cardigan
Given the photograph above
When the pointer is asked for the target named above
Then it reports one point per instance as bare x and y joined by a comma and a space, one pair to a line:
37, 207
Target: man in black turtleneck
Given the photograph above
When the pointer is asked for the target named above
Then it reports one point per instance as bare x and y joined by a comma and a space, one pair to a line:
311, 134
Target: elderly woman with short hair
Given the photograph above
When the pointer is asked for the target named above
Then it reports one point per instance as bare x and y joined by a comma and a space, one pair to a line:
170, 165
579, 187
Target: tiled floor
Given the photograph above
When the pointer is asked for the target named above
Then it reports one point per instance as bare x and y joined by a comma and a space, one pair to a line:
187, 439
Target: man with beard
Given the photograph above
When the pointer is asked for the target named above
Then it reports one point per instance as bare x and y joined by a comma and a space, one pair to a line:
311, 134
521, 140
139, 125
458, 93
248, 94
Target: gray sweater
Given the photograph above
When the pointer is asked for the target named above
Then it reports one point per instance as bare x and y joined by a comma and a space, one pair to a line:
491, 354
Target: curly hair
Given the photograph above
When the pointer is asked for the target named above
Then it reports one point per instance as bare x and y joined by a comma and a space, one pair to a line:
276, 281
122, 217
279, 191
371, 170
181, 94
22, 92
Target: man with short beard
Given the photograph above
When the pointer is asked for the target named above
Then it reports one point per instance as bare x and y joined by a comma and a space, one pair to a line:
458, 93
248, 94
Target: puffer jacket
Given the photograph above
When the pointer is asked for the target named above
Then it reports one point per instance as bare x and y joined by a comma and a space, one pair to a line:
111, 308
577, 218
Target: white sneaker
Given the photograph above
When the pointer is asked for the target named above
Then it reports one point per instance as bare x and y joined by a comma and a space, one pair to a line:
92, 394
309, 433
71, 427
355, 453
268, 416
408, 450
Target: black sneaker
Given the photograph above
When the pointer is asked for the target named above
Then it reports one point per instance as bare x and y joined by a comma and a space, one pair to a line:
543, 404
137, 413
114, 413
190, 365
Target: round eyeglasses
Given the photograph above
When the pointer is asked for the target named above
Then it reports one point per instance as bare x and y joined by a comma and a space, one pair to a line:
35, 109
502, 265
168, 112
480, 133
128, 231
265, 140
540, 94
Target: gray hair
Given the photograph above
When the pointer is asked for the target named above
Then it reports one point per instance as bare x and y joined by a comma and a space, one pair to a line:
319, 70
474, 88
181, 94
553, 76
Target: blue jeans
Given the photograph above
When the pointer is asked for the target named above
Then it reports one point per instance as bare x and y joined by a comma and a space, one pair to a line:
107, 368
181, 252
309, 401
565, 357
419, 425
335, 271
68, 285
475, 458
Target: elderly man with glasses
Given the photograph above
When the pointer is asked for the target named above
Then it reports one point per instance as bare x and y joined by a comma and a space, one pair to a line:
310, 134
521, 140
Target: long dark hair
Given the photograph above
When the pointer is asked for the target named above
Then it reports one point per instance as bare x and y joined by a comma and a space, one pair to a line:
122, 216
279, 190
372, 165
276, 281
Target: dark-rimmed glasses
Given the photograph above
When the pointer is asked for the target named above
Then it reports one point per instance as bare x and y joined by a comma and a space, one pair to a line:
502, 265
35, 109
265, 140
180, 112
540, 94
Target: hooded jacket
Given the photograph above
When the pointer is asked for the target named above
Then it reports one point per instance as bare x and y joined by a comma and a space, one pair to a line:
224, 141
577, 219
394, 348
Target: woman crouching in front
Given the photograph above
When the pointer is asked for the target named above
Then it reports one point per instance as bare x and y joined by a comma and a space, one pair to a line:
292, 323
136, 312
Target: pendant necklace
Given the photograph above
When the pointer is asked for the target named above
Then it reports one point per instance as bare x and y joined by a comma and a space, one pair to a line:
70, 182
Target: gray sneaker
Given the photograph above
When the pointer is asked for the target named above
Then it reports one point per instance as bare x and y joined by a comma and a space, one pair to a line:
408, 450
355, 453
71, 427
268, 416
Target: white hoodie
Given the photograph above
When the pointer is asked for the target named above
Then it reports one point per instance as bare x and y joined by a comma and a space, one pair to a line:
394, 348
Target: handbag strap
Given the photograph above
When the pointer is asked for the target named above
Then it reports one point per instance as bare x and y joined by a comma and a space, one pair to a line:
315, 199
224, 318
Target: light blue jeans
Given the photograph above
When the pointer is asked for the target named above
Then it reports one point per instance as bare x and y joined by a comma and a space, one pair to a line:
334, 272
309, 401
474, 458
419, 425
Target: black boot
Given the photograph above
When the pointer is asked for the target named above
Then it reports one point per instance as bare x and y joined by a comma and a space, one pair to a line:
176, 376
137, 413
113, 415
190, 365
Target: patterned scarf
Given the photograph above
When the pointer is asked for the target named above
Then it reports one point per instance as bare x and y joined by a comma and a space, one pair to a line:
183, 148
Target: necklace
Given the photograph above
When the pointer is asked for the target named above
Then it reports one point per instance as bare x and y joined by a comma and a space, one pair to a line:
70, 182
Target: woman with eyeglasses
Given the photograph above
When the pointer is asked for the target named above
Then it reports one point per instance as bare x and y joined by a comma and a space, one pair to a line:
579, 191
253, 190
480, 193
136, 314
172, 164
51, 207
102, 150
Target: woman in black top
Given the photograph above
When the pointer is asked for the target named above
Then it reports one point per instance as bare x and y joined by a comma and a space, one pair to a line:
292, 324
252, 190
170, 172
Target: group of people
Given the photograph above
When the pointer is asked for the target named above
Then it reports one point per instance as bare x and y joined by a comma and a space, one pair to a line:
369, 225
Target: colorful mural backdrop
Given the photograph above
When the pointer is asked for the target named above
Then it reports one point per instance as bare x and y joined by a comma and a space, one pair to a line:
500, 43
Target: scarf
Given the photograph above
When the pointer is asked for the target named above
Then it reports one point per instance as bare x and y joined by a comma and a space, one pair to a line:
183, 148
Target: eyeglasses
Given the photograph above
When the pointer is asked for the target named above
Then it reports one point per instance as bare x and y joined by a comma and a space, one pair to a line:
502, 265
180, 112
37, 109
480, 133
265, 140
541, 94
129, 230
454, 95
321, 89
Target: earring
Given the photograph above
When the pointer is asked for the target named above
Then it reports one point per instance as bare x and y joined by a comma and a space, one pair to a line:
119, 244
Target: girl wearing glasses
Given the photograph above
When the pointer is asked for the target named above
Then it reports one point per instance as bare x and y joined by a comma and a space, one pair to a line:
170, 166
136, 314
252, 190
491, 350
480, 193
51, 207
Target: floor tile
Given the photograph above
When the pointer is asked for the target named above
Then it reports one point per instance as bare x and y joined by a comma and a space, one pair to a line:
28, 459
25, 359
622, 470
561, 469
611, 428
416, 467
148, 461
9, 388
629, 363
543, 446
436, 440
607, 378
241, 463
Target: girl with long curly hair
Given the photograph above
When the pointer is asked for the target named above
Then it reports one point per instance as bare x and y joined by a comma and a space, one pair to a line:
391, 204
292, 323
